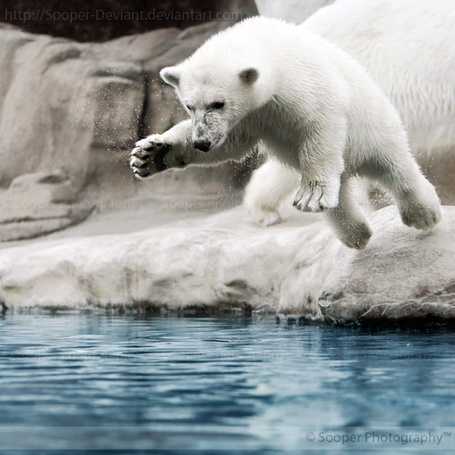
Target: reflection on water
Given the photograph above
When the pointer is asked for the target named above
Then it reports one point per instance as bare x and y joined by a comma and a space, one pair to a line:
233, 385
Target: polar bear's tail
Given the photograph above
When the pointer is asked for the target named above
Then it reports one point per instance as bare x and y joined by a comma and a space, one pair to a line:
270, 184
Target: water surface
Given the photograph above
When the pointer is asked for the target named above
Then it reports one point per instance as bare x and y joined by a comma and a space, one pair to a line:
226, 385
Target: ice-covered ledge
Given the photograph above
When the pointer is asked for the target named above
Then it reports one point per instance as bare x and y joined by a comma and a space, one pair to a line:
223, 261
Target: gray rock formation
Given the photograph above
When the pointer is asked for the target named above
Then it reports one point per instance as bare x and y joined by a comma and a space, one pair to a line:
77, 109
57, 106
403, 275
36, 204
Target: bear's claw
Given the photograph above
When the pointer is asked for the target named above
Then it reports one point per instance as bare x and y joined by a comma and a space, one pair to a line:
315, 197
147, 157
141, 152
140, 166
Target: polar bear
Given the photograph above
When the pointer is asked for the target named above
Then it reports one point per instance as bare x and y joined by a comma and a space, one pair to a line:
412, 68
267, 84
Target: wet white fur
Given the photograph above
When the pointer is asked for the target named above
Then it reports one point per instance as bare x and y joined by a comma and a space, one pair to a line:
312, 107
408, 47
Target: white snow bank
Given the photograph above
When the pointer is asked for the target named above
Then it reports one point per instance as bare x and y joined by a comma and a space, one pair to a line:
223, 261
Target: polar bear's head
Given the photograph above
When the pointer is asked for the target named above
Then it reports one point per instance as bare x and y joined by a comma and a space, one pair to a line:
216, 97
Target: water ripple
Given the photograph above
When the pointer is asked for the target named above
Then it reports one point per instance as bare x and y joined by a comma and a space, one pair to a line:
179, 383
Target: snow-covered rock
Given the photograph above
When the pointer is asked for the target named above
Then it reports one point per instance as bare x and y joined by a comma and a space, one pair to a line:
223, 261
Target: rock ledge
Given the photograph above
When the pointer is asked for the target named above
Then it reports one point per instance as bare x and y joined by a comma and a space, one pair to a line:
208, 265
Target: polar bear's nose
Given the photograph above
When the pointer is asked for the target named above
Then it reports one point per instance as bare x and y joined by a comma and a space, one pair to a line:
202, 145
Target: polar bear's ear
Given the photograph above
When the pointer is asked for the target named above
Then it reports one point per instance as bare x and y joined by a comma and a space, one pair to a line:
170, 75
249, 75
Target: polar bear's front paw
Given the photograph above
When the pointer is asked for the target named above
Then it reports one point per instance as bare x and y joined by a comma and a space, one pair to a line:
317, 196
265, 218
147, 157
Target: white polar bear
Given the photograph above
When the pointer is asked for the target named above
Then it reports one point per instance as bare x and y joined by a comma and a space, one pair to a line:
409, 49
265, 83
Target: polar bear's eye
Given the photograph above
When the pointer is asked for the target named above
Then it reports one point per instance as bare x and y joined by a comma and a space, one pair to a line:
190, 108
217, 105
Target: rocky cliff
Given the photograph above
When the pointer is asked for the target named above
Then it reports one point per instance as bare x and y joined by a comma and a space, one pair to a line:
71, 112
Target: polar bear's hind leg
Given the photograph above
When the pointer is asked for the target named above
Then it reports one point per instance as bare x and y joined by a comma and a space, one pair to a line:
416, 197
347, 220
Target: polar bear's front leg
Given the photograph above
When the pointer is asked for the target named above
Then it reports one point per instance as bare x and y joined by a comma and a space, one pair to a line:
321, 166
317, 195
269, 185
159, 152
174, 150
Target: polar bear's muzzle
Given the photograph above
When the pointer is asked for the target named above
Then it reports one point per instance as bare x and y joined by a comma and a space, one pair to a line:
203, 145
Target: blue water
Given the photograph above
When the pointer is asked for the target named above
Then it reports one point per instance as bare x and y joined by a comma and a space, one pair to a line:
82, 383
